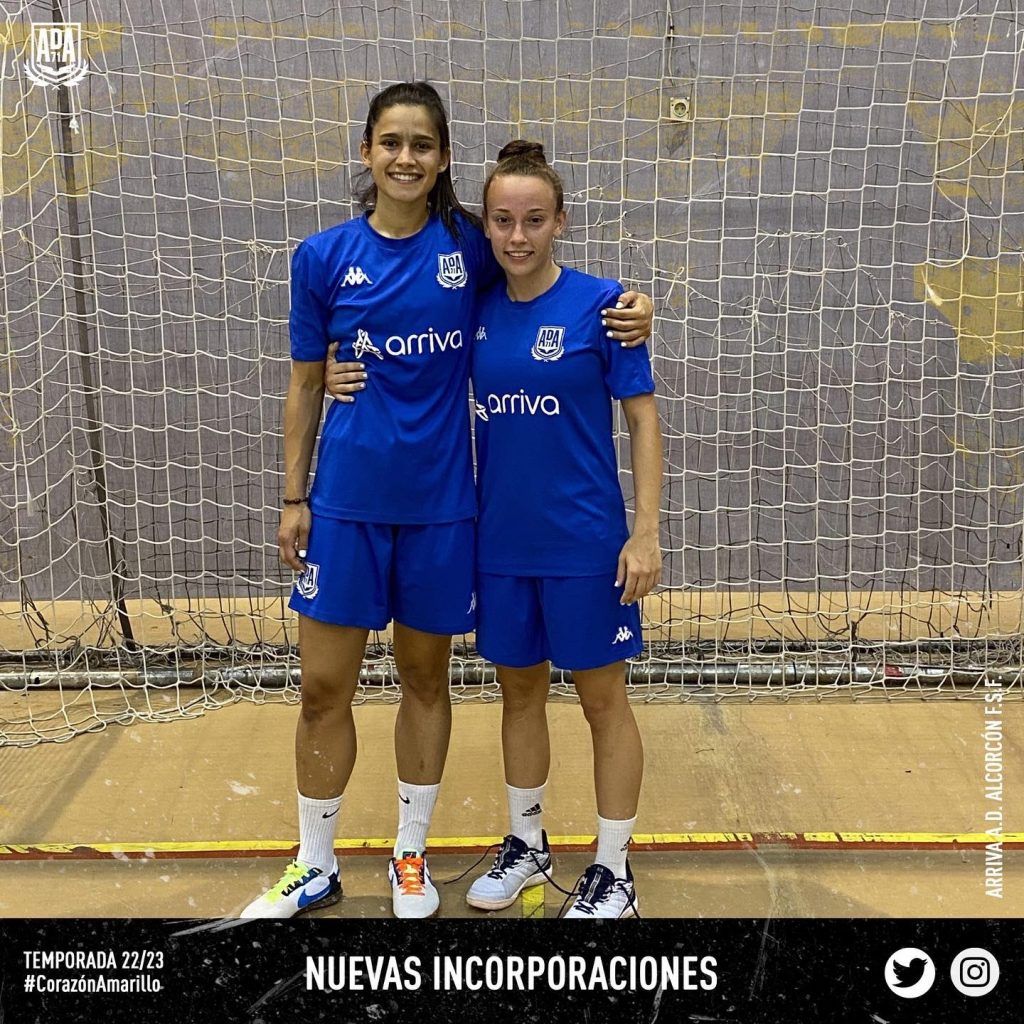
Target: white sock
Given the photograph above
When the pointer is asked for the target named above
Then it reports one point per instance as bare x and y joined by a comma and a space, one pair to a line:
415, 809
525, 810
318, 821
613, 844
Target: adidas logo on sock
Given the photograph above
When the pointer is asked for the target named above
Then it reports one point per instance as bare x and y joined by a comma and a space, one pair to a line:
531, 811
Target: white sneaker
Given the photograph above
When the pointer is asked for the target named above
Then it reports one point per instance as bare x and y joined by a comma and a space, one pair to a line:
600, 894
412, 892
301, 888
516, 867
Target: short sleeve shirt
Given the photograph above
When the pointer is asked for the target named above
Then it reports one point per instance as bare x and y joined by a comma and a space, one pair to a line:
401, 453
544, 377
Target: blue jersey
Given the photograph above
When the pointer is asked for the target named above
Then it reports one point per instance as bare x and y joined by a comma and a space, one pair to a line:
401, 453
544, 376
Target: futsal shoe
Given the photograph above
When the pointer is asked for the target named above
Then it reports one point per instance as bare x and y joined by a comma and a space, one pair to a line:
301, 888
412, 892
600, 894
516, 867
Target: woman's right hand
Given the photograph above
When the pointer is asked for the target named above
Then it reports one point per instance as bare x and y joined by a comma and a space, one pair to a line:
293, 535
343, 380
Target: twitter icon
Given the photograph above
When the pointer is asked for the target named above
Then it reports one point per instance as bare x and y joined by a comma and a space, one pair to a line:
910, 972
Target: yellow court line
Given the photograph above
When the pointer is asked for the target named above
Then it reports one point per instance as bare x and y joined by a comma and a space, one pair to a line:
533, 901
475, 844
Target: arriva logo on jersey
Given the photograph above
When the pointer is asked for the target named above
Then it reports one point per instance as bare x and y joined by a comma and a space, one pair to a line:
521, 404
548, 347
418, 344
363, 345
355, 275
451, 270
481, 411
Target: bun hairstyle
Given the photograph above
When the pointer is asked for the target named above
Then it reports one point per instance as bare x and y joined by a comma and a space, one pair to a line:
442, 199
524, 159
520, 147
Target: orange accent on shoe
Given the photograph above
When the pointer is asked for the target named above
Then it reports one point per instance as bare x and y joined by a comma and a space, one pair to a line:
410, 875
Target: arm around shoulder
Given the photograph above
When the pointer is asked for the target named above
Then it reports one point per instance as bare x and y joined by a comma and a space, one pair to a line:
631, 320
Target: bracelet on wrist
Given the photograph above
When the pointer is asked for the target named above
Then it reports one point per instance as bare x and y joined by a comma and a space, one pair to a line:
295, 501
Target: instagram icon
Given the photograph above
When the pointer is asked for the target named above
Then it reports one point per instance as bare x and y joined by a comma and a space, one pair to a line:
974, 971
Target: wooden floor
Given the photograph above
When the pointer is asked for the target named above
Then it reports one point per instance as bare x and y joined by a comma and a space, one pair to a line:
904, 767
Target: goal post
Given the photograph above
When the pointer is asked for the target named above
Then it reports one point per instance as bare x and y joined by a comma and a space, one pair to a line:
825, 202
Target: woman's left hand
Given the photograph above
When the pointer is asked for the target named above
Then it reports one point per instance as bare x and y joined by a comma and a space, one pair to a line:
343, 381
631, 320
639, 567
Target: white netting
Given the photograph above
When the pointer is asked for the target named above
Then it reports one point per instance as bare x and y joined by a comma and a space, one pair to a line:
830, 223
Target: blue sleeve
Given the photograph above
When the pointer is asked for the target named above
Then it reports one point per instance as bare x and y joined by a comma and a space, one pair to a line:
487, 271
627, 370
307, 318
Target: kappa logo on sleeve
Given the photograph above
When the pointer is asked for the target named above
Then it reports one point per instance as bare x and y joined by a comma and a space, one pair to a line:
451, 270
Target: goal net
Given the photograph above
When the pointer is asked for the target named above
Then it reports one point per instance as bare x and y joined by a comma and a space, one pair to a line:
825, 199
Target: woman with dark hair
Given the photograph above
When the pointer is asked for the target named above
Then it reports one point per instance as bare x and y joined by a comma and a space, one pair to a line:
387, 531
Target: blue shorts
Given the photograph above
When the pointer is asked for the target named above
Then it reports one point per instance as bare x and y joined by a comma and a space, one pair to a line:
576, 622
366, 574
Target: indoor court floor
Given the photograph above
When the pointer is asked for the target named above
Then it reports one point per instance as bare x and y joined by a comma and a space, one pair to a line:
748, 810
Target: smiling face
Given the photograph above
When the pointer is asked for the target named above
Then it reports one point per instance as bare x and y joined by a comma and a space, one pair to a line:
405, 155
522, 224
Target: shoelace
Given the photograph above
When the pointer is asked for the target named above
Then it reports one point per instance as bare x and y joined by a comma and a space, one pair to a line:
293, 877
410, 875
584, 891
588, 897
506, 859
459, 877
544, 870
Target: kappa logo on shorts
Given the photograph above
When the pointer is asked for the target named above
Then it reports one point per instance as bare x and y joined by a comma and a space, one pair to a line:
472, 604
624, 633
308, 584
549, 344
451, 270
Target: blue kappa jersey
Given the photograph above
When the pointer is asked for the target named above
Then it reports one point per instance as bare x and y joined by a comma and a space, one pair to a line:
401, 453
544, 376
